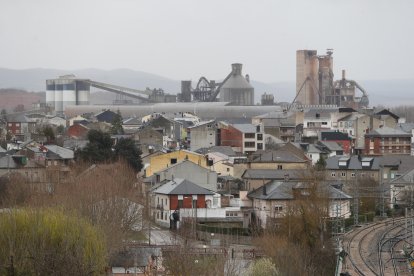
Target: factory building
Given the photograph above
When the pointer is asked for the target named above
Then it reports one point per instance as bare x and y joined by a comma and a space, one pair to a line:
315, 82
66, 90
237, 89
234, 89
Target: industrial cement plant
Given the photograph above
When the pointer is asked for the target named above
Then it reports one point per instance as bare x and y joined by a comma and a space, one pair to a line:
315, 82
233, 97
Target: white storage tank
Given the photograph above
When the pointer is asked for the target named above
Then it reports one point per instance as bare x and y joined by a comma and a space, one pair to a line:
69, 93
58, 96
50, 93
83, 91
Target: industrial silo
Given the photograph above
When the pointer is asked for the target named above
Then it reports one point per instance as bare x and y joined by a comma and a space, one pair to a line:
307, 77
58, 96
83, 91
69, 92
237, 90
50, 93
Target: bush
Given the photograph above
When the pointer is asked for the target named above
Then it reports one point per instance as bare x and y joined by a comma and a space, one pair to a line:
48, 242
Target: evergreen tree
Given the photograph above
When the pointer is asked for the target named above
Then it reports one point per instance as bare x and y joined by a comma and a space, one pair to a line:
99, 148
117, 124
320, 164
49, 133
127, 149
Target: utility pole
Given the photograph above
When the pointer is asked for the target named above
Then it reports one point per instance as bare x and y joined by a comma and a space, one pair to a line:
356, 199
382, 193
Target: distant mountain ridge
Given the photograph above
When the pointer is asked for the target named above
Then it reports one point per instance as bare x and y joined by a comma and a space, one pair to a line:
384, 92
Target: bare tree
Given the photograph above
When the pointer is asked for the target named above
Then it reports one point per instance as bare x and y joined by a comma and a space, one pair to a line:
298, 244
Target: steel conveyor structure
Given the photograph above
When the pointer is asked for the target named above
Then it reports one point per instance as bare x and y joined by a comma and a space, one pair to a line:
133, 93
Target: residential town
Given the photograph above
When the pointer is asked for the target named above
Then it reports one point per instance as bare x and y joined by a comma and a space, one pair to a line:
241, 174
204, 138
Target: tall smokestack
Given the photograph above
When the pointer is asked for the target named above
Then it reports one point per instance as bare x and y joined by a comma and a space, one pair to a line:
343, 74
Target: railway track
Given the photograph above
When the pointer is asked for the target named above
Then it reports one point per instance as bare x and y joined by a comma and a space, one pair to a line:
371, 248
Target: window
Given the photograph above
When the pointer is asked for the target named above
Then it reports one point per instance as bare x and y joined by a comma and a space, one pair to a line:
343, 174
333, 174
249, 144
259, 146
279, 167
250, 135
180, 201
278, 209
231, 214
173, 160
260, 137
352, 174
324, 123
228, 169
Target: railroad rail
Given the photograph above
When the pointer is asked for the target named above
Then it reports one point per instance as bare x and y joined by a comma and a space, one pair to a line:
366, 247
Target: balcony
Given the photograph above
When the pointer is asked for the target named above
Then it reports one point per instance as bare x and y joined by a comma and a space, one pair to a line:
237, 202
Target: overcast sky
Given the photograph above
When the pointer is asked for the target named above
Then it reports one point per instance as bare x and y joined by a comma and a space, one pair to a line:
184, 39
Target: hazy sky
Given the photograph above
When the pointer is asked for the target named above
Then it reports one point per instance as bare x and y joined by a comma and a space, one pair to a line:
184, 39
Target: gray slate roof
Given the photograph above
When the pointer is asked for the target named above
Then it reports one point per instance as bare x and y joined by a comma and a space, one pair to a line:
332, 146
61, 152
403, 162
407, 127
180, 186
226, 150
388, 132
132, 121
280, 155
245, 128
272, 174
274, 190
308, 148
278, 190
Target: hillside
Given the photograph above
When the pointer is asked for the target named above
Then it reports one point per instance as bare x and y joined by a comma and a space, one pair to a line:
10, 98
34, 79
